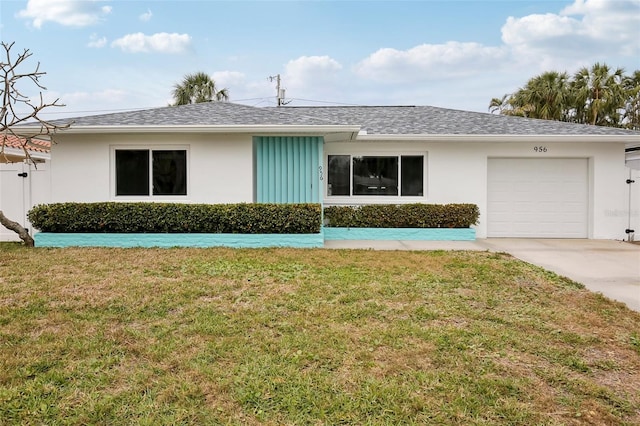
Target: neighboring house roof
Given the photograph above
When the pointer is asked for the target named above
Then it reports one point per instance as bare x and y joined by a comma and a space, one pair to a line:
367, 121
13, 148
34, 145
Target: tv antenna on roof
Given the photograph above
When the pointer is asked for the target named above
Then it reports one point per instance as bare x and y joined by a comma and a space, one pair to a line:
280, 91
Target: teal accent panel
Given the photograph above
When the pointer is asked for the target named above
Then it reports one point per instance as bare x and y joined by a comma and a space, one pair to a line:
50, 239
288, 169
400, 234
165, 240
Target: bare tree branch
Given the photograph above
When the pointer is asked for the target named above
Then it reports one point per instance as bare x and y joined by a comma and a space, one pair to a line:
11, 115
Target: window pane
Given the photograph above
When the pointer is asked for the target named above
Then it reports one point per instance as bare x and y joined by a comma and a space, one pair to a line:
132, 172
338, 183
170, 172
375, 175
412, 169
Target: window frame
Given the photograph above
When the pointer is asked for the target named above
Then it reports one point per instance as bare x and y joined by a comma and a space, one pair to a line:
376, 198
150, 149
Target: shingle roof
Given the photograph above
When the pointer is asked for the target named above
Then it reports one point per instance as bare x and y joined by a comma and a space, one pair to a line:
201, 114
374, 120
428, 120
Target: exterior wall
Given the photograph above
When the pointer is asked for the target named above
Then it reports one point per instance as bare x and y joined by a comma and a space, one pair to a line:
46, 239
456, 172
401, 234
220, 168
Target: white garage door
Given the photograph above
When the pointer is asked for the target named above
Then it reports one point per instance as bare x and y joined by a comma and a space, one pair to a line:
538, 198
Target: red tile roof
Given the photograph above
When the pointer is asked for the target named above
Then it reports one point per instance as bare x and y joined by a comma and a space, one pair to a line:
35, 145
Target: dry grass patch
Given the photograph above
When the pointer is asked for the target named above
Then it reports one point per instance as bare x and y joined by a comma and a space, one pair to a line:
284, 336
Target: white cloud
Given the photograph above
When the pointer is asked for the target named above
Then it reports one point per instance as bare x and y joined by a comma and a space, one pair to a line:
146, 17
532, 29
584, 28
429, 61
312, 77
159, 42
106, 96
73, 13
575, 36
97, 42
239, 87
310, 70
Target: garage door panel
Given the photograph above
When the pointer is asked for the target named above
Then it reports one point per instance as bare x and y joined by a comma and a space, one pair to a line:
572, 198
530, 197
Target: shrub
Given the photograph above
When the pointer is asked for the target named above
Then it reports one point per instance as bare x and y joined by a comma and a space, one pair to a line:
115, 217
402, 216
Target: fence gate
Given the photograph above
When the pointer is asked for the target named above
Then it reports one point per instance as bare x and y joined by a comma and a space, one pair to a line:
21, 187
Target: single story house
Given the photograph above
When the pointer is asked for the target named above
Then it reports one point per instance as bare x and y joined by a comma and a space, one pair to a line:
23, 182
530, 178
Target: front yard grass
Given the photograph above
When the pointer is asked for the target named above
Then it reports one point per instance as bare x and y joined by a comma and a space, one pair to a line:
319, 337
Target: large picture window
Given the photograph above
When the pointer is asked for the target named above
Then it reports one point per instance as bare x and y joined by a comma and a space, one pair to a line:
144, 172
384, 175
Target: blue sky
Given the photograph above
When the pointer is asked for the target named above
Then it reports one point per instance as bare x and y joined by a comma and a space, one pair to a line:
107, 56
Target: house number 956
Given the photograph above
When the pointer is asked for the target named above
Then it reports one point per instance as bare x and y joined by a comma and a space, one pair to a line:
540, 148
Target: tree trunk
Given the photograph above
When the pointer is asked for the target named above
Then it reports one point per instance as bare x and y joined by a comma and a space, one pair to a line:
18, 229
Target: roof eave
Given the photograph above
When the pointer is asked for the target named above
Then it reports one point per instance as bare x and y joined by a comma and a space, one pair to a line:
17, 155
252, 129
628, 139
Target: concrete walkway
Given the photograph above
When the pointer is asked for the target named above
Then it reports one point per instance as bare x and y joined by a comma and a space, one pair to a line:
605, 266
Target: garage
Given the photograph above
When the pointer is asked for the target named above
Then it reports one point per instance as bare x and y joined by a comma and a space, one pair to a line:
538, 198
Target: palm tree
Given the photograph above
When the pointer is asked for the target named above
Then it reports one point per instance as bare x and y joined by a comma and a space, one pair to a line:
546, 96
509, 105
599, 95
632, 108
500, 105
196, 88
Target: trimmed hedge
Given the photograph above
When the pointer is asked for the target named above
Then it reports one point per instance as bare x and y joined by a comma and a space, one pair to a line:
115, 217
402, 216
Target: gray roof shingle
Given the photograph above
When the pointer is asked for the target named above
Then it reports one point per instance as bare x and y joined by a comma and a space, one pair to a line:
201, 114
428, 120
374, 120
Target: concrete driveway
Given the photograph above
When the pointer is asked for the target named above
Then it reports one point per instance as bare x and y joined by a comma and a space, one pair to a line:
605, 266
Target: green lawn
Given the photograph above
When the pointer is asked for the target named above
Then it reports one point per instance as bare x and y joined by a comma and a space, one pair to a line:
307, 337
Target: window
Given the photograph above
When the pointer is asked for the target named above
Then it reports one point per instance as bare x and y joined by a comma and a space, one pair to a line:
412, 175
141, 172
132, 172
339, 173
169, 172
375, 175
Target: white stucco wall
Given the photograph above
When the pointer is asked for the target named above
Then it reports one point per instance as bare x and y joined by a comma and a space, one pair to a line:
456, 172
220, 168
